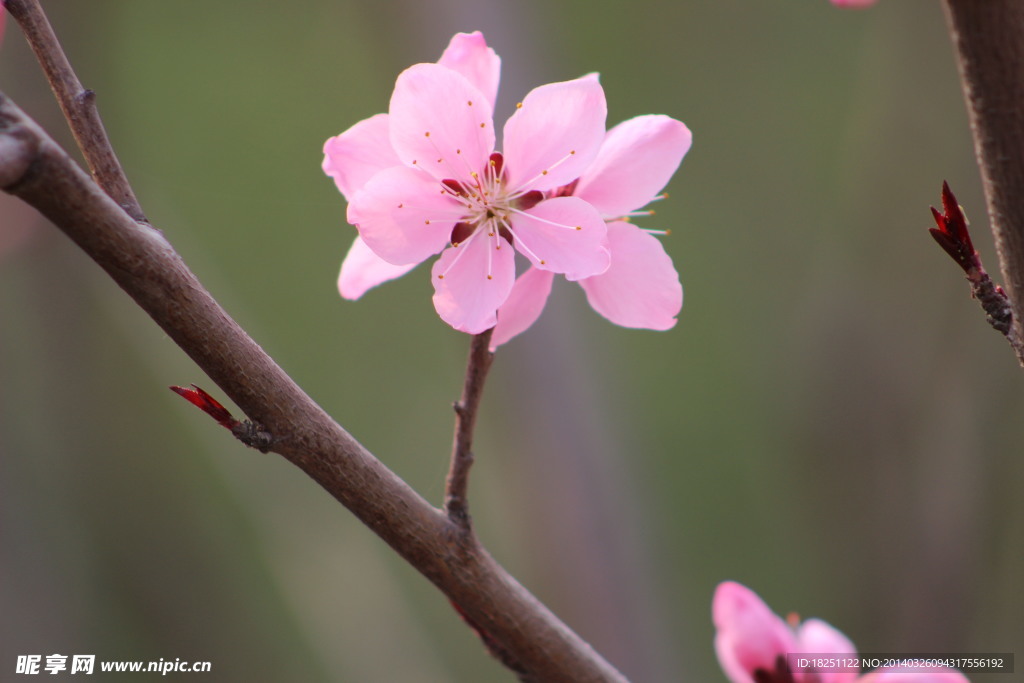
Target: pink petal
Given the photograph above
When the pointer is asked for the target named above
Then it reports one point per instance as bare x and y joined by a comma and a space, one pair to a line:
468, 54
563, 235
358, 154
635, 162
477, 278
403, 216
555, 134
897, 676
363, 270
749, 636
641, 287
523, 306
440, 122
816, 637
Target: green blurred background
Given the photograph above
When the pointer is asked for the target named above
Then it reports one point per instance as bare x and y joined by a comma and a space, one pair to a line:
831, 422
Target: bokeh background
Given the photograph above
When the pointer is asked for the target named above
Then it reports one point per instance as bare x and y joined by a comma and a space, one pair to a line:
831, 422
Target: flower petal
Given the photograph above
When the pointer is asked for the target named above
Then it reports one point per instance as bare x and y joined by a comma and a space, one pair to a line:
814, 636
523, 306
403, 216
358, 154
749, 636
440, 122
636, 160
472, 280
555, 134
468, 54
563, 235
641, 287
363, 270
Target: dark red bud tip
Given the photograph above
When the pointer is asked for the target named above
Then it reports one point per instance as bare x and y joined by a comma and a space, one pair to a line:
208, 404
952, 234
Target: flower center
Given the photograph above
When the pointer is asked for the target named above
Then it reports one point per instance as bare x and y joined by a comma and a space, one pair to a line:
488, 202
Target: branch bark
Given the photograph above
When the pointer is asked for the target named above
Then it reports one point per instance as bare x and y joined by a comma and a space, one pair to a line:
139, 258
988, 37
77, 103
456, 501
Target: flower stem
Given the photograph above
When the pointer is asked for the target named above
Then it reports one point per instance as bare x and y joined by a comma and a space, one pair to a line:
456, 503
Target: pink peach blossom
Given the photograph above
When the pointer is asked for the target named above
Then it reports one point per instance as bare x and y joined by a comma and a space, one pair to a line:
425, 179
641, 287
752, 644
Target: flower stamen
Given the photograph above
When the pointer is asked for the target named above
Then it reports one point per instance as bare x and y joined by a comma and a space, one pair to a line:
521, 245
544, 172
547, 221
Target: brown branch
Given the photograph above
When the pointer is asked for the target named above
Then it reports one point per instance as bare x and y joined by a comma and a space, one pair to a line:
139, 258
456, 503
988, 37
77, 103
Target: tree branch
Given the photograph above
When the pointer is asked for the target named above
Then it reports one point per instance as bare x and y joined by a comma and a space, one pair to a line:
139, 258
77, 103
988, 37
456, 503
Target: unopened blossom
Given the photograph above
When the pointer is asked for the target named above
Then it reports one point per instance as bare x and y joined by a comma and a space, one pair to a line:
753, 643
426, 179
853, 4
641, 288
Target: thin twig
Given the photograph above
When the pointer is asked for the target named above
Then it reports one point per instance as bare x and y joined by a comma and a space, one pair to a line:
78, 105
456, 502
953, 235
139, 258
988, 38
